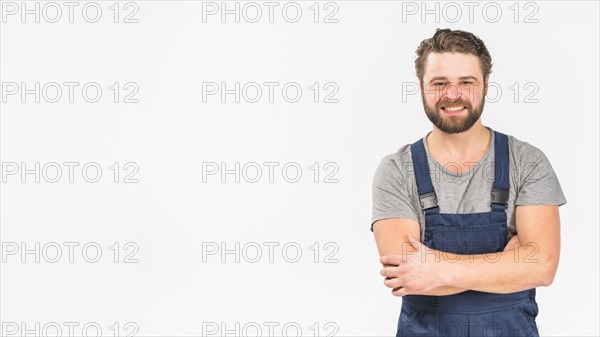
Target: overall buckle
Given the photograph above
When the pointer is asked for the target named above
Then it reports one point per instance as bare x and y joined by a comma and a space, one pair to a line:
428, 200
500, 196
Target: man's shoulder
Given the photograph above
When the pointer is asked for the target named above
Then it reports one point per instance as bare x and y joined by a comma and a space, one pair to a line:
397, 159
523, 151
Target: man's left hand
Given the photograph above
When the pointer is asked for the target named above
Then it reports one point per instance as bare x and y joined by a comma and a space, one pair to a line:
412, 273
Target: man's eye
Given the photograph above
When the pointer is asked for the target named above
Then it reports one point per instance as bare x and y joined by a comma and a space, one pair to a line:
467, 82
438, 84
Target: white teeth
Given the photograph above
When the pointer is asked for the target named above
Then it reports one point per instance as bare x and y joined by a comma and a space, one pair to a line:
454, 108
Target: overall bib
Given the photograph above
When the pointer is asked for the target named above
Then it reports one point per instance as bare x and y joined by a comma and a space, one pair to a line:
470, 313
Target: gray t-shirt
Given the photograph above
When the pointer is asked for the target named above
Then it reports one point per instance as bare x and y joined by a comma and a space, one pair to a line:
532, 182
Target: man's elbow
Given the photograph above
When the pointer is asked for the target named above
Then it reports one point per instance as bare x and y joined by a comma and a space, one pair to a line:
547, 280
549, 272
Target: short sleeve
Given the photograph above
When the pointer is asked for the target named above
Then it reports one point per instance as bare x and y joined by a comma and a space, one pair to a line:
390, 194
540, 185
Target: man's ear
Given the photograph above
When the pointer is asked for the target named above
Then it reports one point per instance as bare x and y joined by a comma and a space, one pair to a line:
487, 83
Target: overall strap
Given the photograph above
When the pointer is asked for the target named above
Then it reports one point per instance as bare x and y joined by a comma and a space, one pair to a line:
501, 173
500, 189
427, 197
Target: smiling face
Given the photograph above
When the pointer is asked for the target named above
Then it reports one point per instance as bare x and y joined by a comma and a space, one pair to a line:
453, 91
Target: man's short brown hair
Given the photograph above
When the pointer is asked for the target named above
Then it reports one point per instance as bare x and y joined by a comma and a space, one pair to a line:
447, 40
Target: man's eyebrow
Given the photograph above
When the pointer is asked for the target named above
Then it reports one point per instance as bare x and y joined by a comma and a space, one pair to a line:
460, 78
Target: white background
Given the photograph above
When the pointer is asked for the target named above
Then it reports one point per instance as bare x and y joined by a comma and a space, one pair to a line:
170, 216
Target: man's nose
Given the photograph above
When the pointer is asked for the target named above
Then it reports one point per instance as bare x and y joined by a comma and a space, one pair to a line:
451, 92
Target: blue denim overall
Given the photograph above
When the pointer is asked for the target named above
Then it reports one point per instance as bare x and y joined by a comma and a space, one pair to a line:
470, 313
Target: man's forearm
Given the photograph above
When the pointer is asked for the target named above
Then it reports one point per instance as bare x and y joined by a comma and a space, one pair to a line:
443, 291
510, 271
450, 290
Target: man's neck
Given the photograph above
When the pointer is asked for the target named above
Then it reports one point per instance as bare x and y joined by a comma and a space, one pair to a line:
464, 145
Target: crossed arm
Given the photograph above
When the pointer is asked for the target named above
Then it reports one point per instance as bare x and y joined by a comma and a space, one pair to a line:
412, 268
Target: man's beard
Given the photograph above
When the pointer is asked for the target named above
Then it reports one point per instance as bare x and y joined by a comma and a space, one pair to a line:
453, 124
